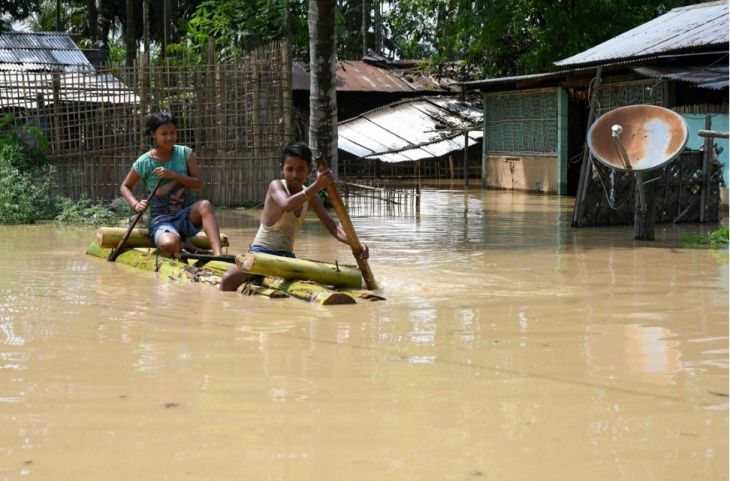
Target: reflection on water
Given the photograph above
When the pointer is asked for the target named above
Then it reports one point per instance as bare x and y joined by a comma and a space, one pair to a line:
511, 347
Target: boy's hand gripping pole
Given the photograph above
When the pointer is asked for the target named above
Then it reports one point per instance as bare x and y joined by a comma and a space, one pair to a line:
344, 219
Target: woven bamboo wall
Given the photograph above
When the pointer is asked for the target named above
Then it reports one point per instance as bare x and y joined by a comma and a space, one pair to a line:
524, 121
234, 116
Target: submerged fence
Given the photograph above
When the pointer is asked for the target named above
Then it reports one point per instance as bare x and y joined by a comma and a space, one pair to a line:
676, 190
236, 117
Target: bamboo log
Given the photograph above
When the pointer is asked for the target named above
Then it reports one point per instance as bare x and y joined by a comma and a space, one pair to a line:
210, 272
349, 229
168, 268
290, 268
110, 237
248, 289
363, 294
309, 291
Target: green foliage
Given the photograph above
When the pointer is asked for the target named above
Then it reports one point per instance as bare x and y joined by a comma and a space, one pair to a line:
18, 9
717, 238
28, 141
495, 37
86, 213
26, 196
238, 26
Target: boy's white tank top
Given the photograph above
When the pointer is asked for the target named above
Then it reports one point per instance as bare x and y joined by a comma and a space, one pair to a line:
280, 236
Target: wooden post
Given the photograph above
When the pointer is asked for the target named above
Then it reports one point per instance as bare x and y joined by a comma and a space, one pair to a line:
705, 168
451, 167
586, 166
286, 89
644, 209
466, 158
562, 148
143, 73
57, 132
347, 226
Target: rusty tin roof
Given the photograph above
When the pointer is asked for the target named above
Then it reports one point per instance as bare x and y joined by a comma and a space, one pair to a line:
411, 130
359, 76
681, 29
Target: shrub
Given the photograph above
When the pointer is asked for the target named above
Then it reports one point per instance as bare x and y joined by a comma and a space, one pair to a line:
26, 196
86, 213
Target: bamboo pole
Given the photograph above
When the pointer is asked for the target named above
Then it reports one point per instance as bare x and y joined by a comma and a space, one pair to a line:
586, 166
139, 237
347, 226
291, 268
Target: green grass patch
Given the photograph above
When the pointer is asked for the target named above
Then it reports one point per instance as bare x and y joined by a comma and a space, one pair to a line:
717, 238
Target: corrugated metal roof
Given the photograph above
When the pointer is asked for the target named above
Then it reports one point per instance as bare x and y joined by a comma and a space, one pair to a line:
359, 76
680, 29
40, 51
410, 130
715, 78
78, 87
514, 79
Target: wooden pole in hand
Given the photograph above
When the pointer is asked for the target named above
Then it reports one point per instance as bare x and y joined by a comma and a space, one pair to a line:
347, 226
117, 250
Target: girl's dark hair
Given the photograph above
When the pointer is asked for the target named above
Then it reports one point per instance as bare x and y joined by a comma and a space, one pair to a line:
156, 119
297, 149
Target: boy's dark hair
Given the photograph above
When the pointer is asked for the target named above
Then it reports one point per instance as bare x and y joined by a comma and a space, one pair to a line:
297, 149
156, 119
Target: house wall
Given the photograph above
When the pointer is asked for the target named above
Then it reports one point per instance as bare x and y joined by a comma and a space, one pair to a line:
695, 123
534, 173
525, 140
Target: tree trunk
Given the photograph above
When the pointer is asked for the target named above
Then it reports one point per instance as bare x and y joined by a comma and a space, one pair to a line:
322, 89
58, 15
129, 35
364, 27
378, 26
93, 22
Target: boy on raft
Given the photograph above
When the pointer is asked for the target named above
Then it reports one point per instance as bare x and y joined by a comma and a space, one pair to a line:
285, 207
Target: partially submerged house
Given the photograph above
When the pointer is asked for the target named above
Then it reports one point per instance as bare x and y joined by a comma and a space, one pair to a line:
535, 125
418, 134
363, 85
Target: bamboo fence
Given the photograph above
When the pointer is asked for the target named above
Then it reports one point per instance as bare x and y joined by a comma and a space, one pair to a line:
235, 116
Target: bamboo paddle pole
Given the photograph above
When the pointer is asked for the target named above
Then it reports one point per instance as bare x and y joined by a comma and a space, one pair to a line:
114, 253
347, 226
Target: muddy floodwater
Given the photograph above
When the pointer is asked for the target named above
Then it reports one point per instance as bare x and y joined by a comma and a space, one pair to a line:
511, 347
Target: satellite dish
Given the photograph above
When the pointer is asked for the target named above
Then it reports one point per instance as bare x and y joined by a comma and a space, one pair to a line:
637, 137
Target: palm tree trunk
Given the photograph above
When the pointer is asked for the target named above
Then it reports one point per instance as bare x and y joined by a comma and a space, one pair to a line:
93, 22
129, 34
322, 89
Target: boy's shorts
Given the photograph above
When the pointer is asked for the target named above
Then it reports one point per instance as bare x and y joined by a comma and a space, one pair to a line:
264, 250
178, 223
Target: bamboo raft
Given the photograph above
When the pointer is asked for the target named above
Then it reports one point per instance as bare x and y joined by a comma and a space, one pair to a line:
281, 277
